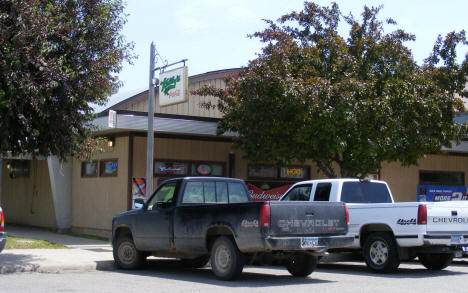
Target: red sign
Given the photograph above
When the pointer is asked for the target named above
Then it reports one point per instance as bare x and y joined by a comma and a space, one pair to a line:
258, 194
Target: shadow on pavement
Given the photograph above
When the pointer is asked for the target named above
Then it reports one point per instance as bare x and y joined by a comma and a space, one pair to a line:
106, 265
402, 272
172, 269
12, 263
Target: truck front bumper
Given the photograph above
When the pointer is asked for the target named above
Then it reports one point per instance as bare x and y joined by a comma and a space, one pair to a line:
2, 240
318, 245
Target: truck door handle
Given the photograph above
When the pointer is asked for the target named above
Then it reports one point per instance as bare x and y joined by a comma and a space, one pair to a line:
309, 213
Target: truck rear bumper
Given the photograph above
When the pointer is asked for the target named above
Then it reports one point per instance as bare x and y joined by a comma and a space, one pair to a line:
315, 244
447, 240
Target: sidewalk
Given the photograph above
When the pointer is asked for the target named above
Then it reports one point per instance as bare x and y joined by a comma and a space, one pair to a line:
81, 254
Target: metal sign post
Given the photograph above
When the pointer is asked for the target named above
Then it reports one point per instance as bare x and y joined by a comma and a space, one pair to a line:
150, 136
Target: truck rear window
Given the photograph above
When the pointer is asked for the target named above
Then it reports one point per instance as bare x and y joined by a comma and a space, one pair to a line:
365, 192
214, 192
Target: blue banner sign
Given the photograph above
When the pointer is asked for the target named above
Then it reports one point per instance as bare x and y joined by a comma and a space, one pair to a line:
442, 193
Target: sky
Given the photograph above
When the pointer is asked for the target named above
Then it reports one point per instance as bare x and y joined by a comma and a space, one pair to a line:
213, 34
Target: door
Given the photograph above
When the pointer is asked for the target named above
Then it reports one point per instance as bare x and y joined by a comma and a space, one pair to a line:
154, 225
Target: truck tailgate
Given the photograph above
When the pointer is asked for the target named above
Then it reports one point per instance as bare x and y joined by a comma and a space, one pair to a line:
301, 218
450, 217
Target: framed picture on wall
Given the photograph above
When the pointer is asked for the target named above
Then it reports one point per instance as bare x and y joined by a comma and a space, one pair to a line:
89, 169
108, 167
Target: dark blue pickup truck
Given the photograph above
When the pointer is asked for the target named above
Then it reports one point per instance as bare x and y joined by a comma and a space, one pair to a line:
198, 218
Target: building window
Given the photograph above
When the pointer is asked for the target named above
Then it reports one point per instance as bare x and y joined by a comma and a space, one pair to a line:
293, 173
89, 169
207, 169
442, 178
168, 168
108, 167
18, 168
262, 171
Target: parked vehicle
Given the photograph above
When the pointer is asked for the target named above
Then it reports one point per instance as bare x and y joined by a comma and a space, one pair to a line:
387, 232
2, 230
195, 218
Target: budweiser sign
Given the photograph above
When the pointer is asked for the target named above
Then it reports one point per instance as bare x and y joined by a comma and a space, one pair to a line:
258, 194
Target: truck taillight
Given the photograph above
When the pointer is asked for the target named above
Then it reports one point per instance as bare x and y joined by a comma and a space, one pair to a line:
2, 225
422, 214
265, 215
347, 214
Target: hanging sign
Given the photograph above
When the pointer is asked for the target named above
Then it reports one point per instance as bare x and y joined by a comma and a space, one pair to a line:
112, 122
173, 87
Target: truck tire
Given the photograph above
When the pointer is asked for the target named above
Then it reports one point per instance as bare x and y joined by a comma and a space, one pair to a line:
198, 262
381, 252
227, 262
301, 264
436, 261
126, 255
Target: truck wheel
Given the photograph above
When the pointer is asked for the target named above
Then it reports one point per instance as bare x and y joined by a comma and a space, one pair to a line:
227, 261
381, 252
198, 262
301, 265
126, 255
436, 261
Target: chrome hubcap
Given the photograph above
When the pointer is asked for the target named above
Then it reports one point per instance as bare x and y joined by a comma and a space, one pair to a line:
223, 258
126, 253
379, 252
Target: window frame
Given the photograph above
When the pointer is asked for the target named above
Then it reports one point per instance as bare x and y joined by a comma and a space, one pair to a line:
309, 185
83, 168
440, 173
102, 168
319, 185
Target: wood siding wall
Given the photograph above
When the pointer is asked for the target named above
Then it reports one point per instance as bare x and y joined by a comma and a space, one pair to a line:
28, 201
95, 200
191, 108
403, 181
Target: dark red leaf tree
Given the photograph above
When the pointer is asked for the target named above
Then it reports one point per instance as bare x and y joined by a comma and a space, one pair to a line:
57, 58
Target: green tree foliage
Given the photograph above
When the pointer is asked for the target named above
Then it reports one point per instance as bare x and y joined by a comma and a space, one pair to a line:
57, 57
346, 104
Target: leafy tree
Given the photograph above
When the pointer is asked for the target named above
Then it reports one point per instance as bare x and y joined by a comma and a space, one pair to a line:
57, 57
346, 104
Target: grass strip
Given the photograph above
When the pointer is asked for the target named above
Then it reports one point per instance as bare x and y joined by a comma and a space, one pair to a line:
27, 243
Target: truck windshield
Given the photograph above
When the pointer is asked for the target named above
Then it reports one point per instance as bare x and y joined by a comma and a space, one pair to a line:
365, 192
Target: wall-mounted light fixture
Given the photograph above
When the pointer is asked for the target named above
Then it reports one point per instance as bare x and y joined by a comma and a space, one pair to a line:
8, 165
111, 142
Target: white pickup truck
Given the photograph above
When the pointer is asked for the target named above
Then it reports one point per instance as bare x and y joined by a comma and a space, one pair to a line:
387, 232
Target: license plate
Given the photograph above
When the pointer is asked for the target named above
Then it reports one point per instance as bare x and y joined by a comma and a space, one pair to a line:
309, 242
456, 239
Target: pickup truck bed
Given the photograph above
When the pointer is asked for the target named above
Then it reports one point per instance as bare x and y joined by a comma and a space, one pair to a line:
195, 218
